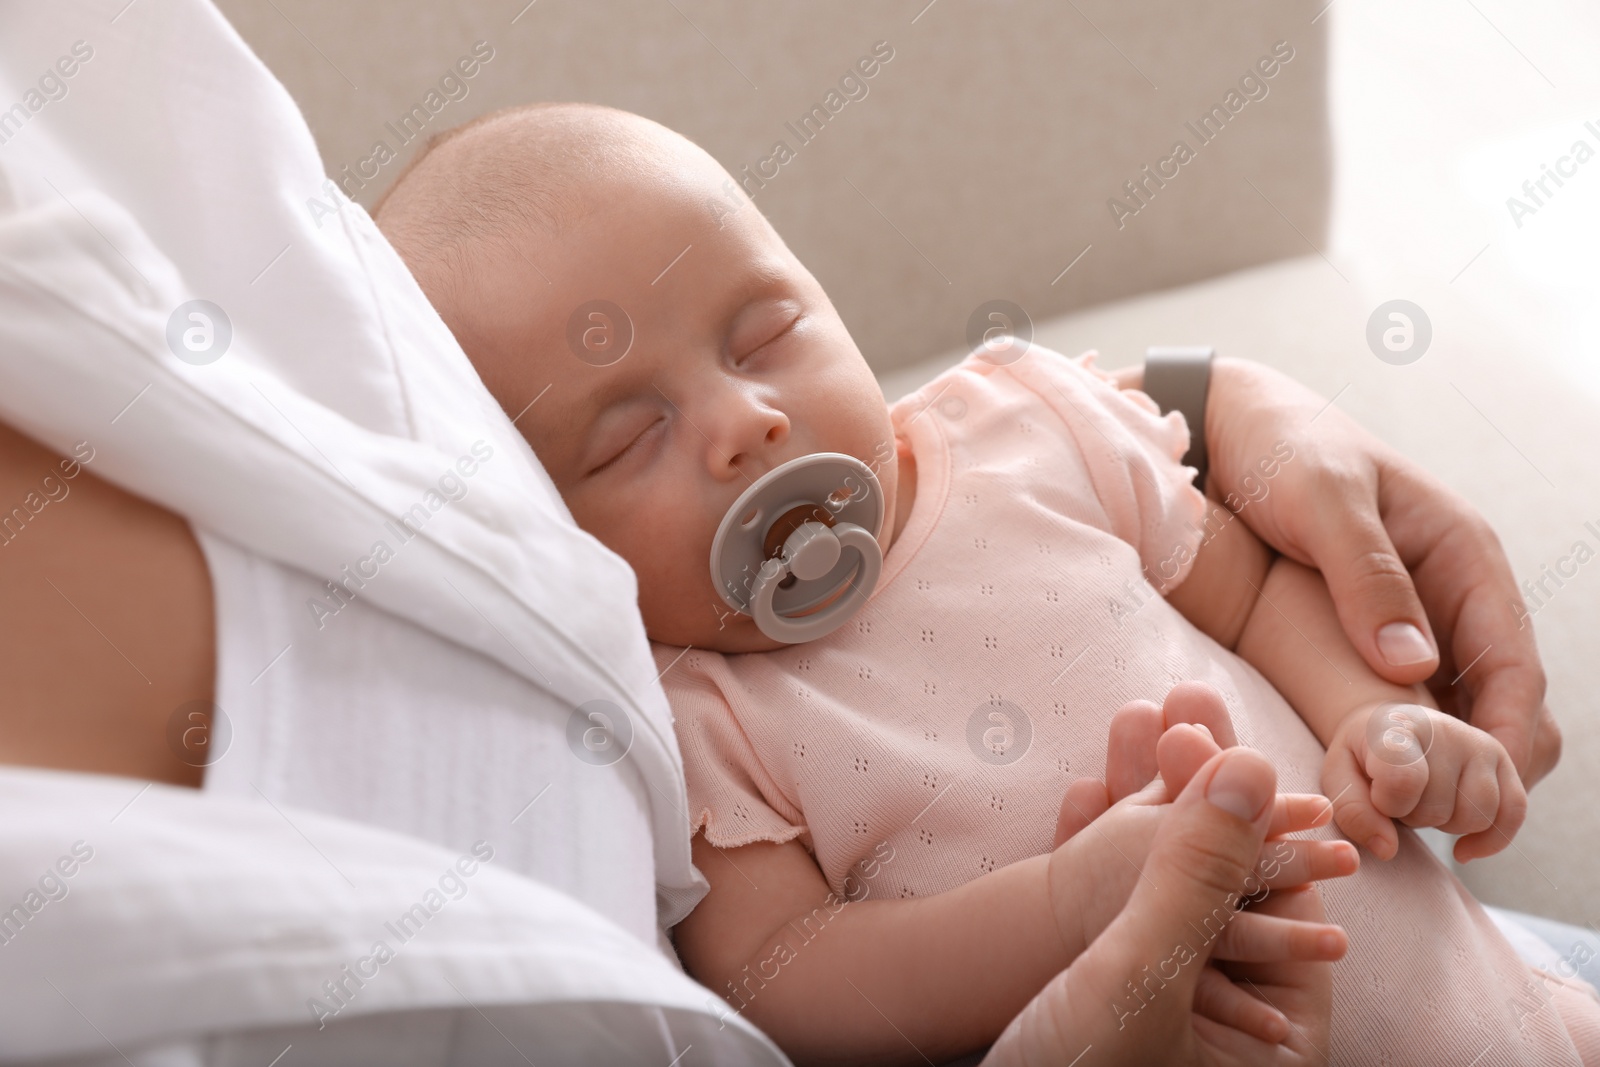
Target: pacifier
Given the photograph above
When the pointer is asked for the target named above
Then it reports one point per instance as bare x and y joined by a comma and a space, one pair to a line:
802, 533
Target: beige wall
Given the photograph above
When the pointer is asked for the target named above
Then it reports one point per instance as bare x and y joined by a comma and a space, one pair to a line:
977, 166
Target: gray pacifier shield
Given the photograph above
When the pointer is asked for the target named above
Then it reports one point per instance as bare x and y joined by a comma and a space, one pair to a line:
842, 485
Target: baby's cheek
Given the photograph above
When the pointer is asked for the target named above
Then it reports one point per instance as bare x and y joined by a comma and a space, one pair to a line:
668, 614
674, 574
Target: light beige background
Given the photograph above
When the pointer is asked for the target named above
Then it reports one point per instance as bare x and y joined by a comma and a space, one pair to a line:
978, 165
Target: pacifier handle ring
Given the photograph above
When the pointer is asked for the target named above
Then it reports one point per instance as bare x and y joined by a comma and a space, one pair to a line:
794, 631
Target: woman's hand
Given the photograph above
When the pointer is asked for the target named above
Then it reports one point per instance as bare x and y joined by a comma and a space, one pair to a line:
1201, 864
1405, 557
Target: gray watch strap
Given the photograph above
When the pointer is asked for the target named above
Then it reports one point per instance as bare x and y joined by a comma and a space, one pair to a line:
1177, 379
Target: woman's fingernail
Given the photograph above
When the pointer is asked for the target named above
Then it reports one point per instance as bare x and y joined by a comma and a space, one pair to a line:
1238, 789
1329, 942
1402, 644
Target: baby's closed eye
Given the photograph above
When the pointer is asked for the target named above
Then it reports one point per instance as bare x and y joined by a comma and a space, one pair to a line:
760, 324
626, 442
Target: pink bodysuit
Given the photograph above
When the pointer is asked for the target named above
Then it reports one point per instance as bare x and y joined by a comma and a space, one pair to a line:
929, 740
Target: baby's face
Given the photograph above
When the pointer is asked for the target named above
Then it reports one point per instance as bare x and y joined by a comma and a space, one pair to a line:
738, 363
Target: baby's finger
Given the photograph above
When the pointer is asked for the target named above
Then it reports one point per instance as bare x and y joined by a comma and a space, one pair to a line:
1218, 999
1293, 812
1348, 790
1395, 757
1477, 797
1240, 1046
1507, 821
1441, 798
1301, 989
1291, 863
1200, 704
1131, 750
1084, 802
1256, 938
1182, 751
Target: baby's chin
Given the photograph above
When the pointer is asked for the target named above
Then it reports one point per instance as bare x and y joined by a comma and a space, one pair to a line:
732, 633
728, 631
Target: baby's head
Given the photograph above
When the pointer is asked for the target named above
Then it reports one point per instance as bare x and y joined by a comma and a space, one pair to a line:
518, 223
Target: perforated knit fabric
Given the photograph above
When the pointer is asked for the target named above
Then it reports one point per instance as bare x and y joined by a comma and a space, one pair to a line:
929, 741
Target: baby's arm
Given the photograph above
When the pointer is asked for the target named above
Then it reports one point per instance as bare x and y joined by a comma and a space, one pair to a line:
891, 981
1435, 771
922, 979
1277, 615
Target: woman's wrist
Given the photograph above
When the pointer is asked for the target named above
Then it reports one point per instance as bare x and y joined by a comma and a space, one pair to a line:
1236, 386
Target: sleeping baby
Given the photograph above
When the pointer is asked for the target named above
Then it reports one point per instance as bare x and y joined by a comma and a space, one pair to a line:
876, 809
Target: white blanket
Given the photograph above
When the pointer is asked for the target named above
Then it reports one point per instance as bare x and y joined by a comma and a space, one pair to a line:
131, 915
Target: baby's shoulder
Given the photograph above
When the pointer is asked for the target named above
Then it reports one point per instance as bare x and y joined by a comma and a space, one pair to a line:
992, 381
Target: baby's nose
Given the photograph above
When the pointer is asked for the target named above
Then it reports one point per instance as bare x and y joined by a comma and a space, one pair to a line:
752, 439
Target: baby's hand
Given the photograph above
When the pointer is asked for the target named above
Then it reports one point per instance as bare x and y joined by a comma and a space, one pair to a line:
1424, 768
1093, 874
1102, 843
1151, 754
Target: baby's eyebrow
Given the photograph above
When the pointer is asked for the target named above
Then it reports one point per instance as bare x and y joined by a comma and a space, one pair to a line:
762, 278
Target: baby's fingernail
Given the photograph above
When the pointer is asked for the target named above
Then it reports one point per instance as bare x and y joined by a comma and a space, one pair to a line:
1398, 739
1402, 644
1238, 789
1376, 845
1202, 728
1329, 942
